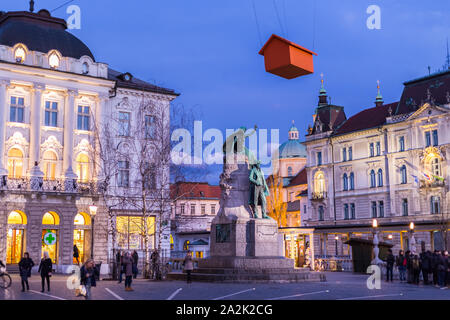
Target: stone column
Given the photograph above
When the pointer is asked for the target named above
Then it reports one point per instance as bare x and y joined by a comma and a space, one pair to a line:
69, 120
3, 105
36, 174
311, 250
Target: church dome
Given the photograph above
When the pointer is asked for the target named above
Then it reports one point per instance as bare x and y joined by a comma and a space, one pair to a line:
292, 148
40, 32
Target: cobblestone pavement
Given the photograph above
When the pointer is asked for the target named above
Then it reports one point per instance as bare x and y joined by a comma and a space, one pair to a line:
345, 286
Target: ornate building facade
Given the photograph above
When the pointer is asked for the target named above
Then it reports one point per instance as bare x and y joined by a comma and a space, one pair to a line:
55, 100
389, 163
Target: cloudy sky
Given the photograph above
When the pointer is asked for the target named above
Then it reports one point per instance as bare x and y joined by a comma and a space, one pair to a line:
207, 50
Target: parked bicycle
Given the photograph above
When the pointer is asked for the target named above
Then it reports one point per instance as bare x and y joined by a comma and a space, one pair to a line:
5, 278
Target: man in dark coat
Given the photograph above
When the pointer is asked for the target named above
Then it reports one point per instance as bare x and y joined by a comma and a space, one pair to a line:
390, 260
45, 269
442, 266
408, 266
425, 261
401, 265
135, 258
434, 266
25, 266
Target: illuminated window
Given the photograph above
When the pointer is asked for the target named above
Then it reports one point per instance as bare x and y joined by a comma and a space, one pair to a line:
15, 163
50, 218
82, 167
186, 245
79, 220
53, 60
16, 110
434, 166
49, 165
16, 217
319, 183
20, 55
130, 232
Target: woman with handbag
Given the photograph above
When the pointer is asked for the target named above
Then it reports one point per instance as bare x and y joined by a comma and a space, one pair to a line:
87, 278
45, 269
25, 266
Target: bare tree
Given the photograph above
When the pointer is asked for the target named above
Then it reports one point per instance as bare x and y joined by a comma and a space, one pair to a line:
276, 207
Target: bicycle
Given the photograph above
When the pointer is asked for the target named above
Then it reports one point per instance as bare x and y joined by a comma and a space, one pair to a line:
5, 278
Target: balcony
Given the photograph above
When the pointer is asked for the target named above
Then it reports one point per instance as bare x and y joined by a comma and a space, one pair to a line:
47, 186
318, 196
424, 184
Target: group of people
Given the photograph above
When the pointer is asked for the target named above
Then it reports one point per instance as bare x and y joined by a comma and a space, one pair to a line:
434, 267
127, 264
45, 270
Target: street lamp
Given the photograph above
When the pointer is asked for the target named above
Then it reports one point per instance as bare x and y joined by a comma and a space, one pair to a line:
412, 240
336, 244
376, 260
93, 212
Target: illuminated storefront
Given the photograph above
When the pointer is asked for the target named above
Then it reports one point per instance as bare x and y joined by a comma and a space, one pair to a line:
298, 245
131, 232
15, 237
50, 235
81, 234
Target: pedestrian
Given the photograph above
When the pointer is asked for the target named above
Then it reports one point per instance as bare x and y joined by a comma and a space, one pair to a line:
401, 265
408, 266
425, 261
88, 272
45, 269
442, 267
188, 265
76, 253
119, 258
135, 258
390, 260
434, 267
415, 269
155, 260
25, 266
127, 263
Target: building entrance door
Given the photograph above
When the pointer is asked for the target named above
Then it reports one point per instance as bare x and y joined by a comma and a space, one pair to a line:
14, 246
79, 240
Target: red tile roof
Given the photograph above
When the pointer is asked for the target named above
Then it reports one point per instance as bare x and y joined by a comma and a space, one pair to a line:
299, 179
366, 119
194, 190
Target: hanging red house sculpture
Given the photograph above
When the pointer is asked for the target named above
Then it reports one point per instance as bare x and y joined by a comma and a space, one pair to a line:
287, 59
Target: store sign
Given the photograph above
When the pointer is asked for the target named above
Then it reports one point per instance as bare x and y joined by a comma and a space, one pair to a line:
50, 238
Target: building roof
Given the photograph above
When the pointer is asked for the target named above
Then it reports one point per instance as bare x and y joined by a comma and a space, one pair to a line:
135, 83
299, 179
329, 117
275, 37
194, 190
40, 32
434, 87
292, 149
366, 119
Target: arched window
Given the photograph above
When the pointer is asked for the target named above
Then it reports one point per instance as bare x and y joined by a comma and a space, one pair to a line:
352, 181
372, 179
20, 54
403, 174
82, 219
345, 182
50, 218
82, 169
17, 217
15, 163
290, 171
319, 183
380, 177
49, 165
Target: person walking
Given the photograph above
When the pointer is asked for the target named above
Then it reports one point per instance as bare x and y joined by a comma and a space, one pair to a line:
119, 258
425, 262
401, 265
25, 266
415, 269
88, 272
76, 254
127, 263
45, 269
390, 261
135, 258
188, 266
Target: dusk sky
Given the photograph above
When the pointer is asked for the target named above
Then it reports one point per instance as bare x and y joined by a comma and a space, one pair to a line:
207, 50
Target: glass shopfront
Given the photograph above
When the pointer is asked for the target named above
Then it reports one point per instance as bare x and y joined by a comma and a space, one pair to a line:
15, 238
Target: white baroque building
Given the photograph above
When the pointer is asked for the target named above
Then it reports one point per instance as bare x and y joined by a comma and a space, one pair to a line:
54, 99
389, 162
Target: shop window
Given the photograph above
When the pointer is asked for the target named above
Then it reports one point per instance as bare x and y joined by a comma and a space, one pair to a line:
131, 232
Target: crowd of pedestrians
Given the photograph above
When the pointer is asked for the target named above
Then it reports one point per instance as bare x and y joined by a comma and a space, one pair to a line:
432, 267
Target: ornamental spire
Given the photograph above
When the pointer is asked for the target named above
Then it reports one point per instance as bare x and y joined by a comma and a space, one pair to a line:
379, 100
31, 5
322, 93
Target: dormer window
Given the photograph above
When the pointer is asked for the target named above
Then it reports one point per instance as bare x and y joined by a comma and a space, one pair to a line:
20, 55
53, 60
126, 77
85, 68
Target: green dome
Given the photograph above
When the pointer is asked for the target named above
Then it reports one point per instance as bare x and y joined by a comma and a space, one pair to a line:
292, 149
